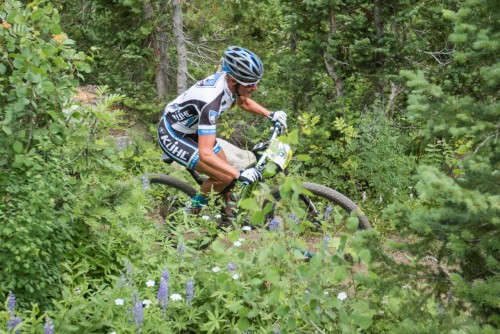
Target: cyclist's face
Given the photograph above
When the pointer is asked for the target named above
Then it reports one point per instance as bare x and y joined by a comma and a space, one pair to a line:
241, 89
246, 91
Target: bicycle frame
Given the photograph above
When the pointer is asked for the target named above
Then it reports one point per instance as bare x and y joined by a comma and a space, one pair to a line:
260, 163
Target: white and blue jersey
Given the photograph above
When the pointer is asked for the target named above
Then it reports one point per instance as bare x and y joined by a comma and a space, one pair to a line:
194, 113
197, 109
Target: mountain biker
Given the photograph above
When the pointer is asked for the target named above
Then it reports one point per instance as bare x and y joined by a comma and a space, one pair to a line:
187, 130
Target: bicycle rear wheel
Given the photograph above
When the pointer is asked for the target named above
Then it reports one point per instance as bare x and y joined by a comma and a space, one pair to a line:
316, 213
175, 194
173, 197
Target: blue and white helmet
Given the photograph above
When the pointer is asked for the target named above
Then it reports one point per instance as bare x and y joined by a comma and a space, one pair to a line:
243, 65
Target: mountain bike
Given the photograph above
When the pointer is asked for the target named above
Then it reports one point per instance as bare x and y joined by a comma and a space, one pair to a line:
304, 208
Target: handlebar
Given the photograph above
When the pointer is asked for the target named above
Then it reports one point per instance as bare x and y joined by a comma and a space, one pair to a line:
276, 131
260, 164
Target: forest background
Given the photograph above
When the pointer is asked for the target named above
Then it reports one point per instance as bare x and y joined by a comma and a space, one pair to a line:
395, 104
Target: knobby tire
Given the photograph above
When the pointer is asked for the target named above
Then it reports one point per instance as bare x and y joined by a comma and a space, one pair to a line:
173, 182
332, 196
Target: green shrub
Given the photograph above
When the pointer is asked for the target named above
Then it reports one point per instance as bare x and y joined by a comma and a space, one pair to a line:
38, 71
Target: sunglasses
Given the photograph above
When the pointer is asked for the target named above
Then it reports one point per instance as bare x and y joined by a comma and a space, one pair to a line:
250, 85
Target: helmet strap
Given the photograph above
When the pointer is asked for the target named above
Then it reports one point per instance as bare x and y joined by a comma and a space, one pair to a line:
236, 85
236, 89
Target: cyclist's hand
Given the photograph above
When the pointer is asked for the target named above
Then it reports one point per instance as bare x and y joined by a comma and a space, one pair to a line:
279, 117
250, 175
260, 147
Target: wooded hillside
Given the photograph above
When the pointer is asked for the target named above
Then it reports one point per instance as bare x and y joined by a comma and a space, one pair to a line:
394, 104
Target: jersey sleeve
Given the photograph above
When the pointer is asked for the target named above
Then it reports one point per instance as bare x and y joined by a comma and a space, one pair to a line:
208, 117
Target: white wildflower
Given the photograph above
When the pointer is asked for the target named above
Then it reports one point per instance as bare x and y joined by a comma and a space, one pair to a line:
246, 228
241, 239
119, 302
215, 269
342, 296
176, 296
150, 283
217, 216
206, 217
236, 276
237, 244
146, 303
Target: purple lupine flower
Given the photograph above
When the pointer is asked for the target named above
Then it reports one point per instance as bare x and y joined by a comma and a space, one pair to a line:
48, 327
326, 240
189, 291
138, 313
11, 302
181, 249
231, 267
127, 277
162, 295
123, 281
294, 218
13, 322
274, 224
129, 273
328, 212
166, 275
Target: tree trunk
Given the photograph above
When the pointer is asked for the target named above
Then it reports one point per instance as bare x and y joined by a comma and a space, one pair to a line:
396, 89
180, 44
330, 68
379, 28
329, 60
377, 17
159, 43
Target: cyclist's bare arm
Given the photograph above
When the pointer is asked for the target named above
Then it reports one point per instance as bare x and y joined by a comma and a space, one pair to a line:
207, 155
250, 105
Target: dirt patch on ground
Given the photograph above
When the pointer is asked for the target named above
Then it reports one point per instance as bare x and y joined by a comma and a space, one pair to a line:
86, 94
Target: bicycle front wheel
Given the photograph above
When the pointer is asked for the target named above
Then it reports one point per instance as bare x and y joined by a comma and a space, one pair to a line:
319, 210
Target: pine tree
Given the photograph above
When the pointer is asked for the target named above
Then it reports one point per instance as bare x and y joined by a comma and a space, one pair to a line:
457, 215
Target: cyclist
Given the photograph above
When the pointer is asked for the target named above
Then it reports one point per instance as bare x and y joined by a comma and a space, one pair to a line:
187, 130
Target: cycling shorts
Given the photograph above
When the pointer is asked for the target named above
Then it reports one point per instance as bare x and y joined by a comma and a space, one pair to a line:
181, 147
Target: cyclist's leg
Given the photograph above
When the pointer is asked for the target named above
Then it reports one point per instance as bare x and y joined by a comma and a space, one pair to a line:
217, 181
184, 150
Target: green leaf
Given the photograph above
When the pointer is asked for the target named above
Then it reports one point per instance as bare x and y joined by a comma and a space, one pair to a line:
3, 69
218, 247
339, 274
361, 320
234, 306
365, 255
18, 62
18, 146
272, 276
7, 130
256, 281
303, 157
248, 203
353, 223
258, 218
243, 324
